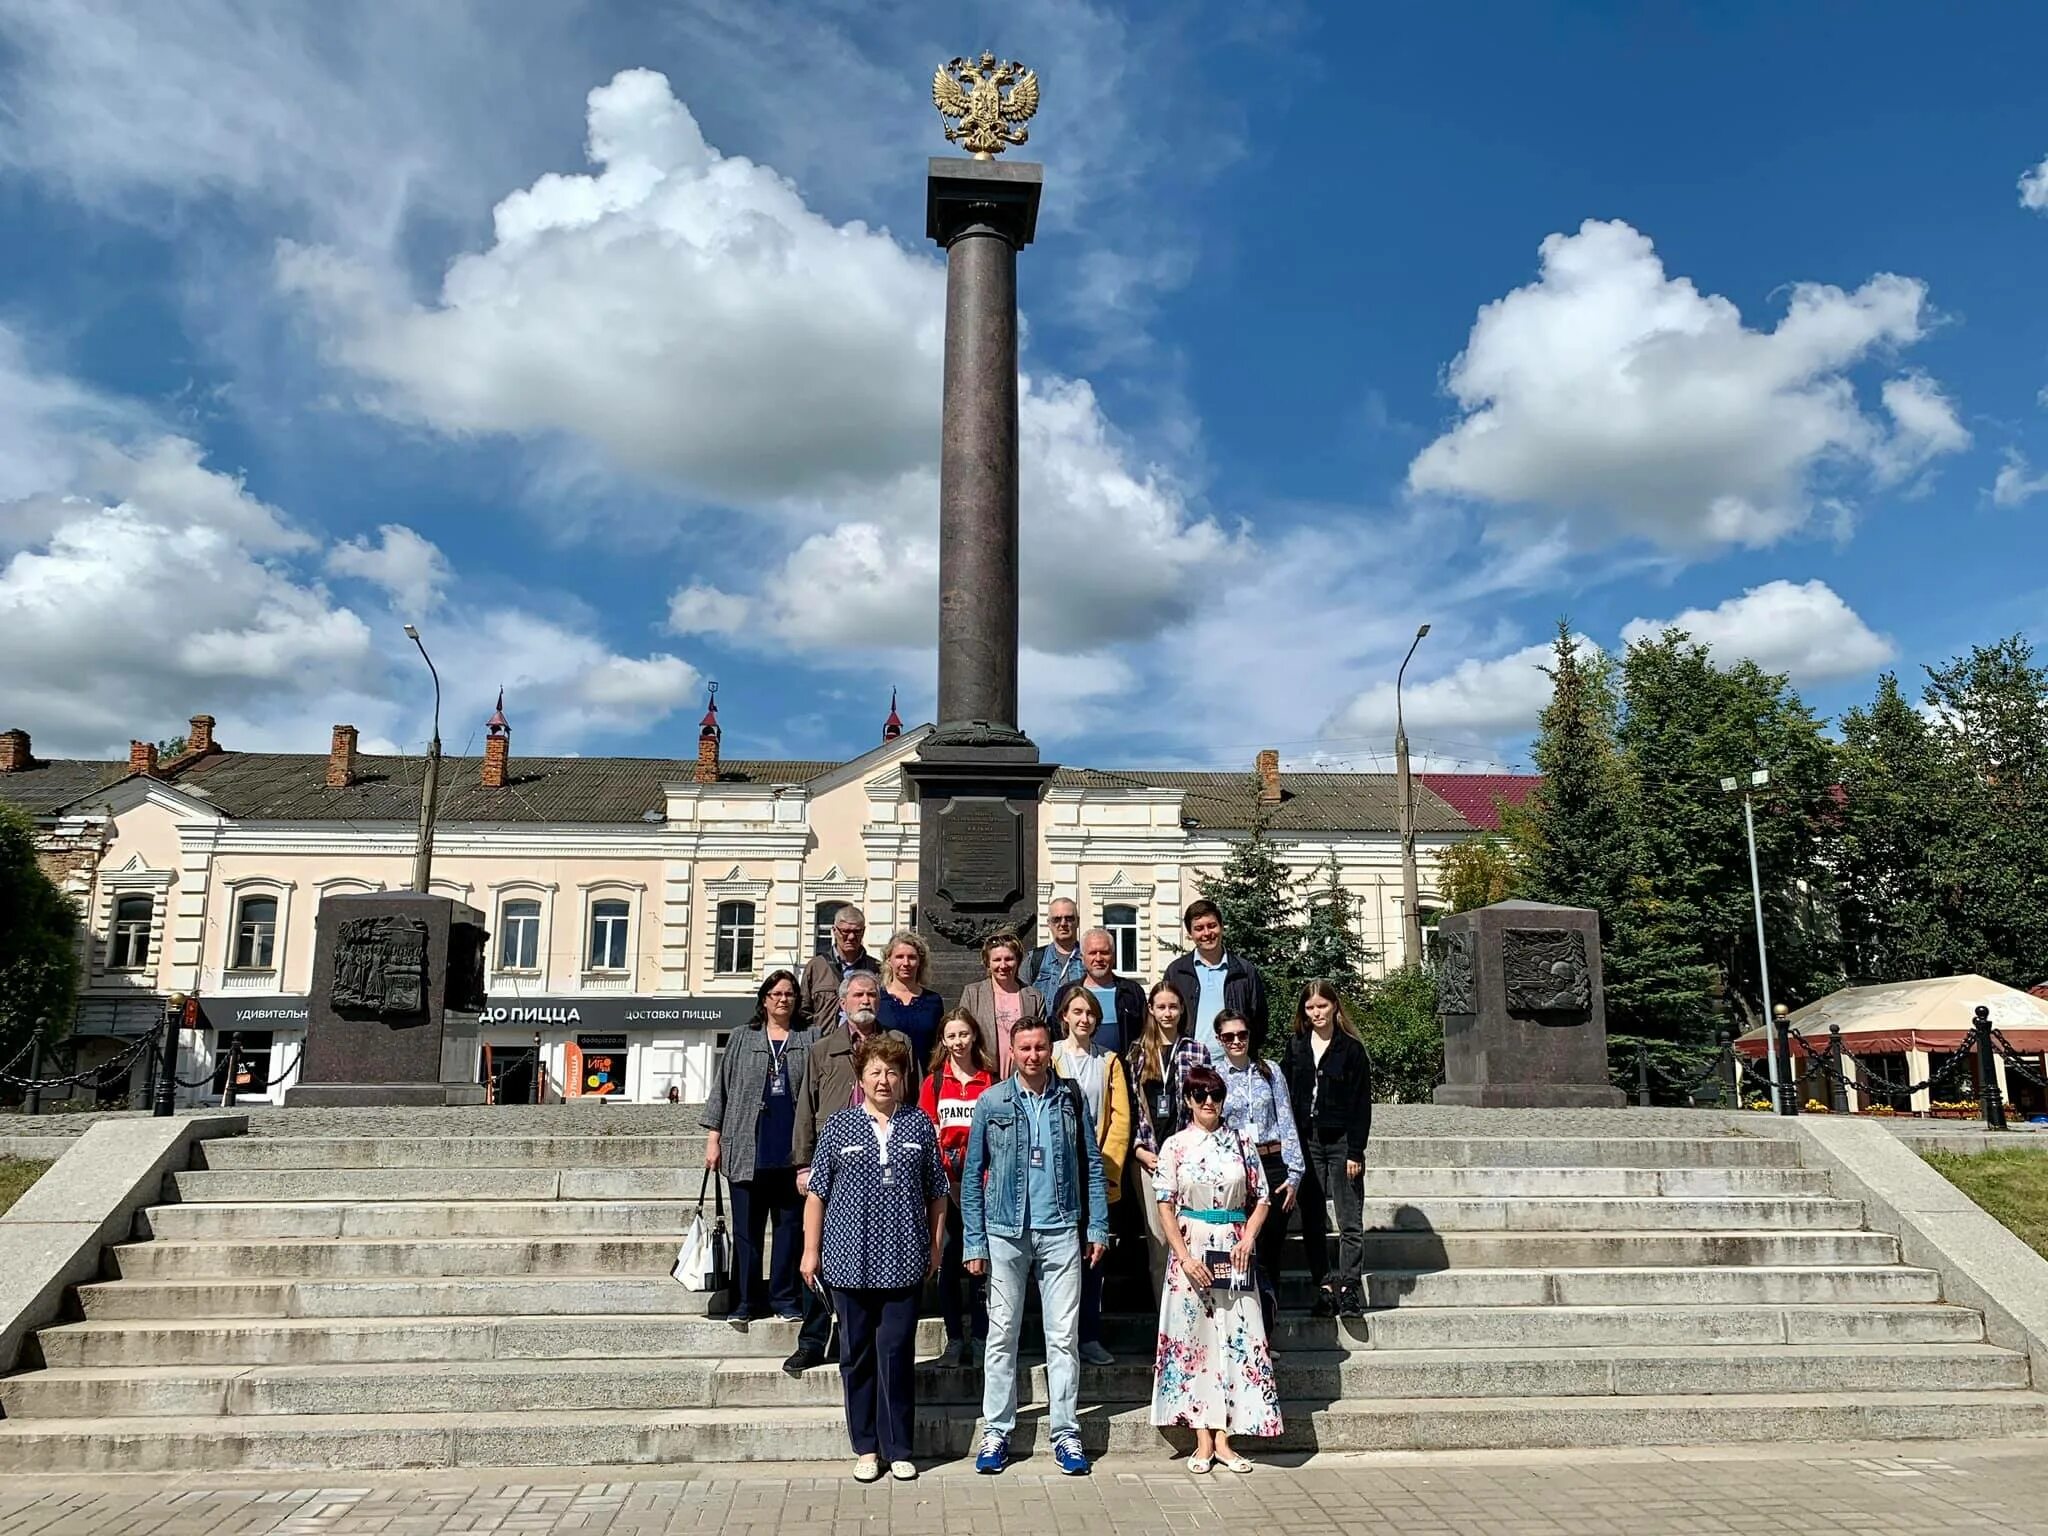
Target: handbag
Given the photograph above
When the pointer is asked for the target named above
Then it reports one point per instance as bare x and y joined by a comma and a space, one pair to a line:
704, 1262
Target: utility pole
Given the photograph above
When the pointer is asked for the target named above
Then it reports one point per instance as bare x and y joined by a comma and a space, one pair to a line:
1783, 1090
423, 856
1411, 896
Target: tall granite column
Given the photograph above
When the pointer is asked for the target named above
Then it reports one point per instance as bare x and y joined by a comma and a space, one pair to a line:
977, 777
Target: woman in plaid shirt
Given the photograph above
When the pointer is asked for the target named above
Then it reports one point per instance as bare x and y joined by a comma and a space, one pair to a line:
1158, 1064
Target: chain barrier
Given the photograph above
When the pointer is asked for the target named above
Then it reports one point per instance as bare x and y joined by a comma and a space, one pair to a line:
1711, 1074
2016, 1063
205, 1080
101, 1076
1874, 1082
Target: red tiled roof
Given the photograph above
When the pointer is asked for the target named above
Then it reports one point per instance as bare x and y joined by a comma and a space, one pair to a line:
1478, 797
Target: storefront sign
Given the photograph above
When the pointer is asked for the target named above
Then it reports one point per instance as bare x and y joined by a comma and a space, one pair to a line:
619, 1013
268, 1012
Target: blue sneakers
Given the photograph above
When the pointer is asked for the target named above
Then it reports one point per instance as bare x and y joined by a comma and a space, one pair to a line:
1067, 1454
994, 1454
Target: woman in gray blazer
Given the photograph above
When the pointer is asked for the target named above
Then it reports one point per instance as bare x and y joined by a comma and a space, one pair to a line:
998, 1002
750, 1115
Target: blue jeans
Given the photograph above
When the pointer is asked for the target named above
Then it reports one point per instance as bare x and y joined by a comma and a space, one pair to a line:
1058, 1256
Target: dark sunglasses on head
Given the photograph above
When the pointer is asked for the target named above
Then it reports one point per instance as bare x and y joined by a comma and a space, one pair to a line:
1203, 1095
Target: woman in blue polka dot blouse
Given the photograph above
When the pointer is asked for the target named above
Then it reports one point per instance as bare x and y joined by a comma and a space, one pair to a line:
874, 1223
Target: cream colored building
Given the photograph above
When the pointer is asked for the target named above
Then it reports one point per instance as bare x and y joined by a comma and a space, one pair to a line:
634, 903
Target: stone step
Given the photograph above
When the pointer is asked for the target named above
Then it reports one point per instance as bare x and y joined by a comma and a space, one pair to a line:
493, 1386
1528, 1183
650, 1437
371, 1258
292, 1340
685, 1150
332, 1218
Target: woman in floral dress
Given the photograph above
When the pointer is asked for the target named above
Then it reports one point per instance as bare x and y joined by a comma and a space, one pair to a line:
1215, 1369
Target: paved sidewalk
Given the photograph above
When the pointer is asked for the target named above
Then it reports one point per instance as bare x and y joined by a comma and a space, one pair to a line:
1987, 1489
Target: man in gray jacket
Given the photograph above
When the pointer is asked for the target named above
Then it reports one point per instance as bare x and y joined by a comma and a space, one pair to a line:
823, 973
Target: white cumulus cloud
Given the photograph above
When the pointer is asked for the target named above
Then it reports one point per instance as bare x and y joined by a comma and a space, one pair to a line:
685, 312
411, 570
1608, 390
1803, 628
2034, 188
2017, 483
1480, 700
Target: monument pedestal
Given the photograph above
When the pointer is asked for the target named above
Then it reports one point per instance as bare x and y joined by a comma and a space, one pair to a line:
398, 984
978, 790
1525, 1021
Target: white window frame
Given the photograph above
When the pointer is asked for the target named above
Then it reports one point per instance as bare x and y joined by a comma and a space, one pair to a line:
604, 977
157, 885
528, 923
719, 889
1127, 935
529, 890
245, 888
132, 932
618, 927
750, 932
1119, 890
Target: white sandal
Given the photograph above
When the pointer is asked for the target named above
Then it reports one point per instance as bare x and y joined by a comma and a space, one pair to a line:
1234, 1463
867, 1469
1200, 1464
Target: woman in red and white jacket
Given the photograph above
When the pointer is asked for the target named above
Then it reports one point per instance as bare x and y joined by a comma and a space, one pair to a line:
960, 1073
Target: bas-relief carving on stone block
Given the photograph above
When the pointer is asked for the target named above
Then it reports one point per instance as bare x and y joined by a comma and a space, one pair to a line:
380, 967
1454, 981
1544, 970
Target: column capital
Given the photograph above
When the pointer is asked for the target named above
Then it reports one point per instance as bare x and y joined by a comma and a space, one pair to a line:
999, 196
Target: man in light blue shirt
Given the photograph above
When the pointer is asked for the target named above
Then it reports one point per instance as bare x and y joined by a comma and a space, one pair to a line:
1052, 966
1209, 1000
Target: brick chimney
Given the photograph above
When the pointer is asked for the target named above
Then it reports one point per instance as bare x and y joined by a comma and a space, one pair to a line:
142, 757
893, 726
14, 753
199, 739
341, 758
1269, 777
497, 746
707, 741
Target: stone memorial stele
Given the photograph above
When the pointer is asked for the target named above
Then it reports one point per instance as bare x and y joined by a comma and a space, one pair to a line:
398, 983
1525, 1024
977, 777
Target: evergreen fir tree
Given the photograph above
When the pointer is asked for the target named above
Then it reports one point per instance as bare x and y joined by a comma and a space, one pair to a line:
38, 954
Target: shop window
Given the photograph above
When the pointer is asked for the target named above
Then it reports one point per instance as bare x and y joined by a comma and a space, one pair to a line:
252, 1066
129, 949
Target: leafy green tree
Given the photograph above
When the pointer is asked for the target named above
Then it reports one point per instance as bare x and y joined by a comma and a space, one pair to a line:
1686, 725
1398, 1018
1294, 928
1989, 868
38, 956
1895, 792
1477, 873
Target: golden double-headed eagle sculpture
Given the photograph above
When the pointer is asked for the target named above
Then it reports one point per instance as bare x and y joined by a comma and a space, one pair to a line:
989, 122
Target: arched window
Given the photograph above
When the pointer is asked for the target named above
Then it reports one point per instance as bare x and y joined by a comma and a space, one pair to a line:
735, 938
256, 934
1121, 919
129, 950
519, 936
608, 923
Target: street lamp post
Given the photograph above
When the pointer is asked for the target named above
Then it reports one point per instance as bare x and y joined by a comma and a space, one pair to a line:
423, 857
1411, 897
1783, 1089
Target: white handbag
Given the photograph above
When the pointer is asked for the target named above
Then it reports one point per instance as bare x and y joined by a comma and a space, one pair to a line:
704, 1262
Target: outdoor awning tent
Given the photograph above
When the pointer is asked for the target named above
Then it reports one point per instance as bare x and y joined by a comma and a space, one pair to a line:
1932, 1015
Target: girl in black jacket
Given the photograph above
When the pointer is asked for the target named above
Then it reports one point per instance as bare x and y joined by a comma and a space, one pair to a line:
1329, 1078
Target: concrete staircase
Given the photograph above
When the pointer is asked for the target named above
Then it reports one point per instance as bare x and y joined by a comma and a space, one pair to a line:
503, 1300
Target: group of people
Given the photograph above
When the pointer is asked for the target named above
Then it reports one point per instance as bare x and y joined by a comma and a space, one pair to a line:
1058, 1115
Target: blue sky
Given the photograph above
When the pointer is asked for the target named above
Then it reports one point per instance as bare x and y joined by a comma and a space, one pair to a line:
602, 342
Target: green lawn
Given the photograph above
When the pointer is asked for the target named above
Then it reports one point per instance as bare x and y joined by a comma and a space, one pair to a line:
2011, 1185
15, 1177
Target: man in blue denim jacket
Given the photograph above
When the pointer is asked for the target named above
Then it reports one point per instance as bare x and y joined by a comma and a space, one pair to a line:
1031, 1185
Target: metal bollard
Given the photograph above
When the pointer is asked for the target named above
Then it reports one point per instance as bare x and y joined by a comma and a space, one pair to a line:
1987, 1067
227, 1087
34, 1105
167, 1063
1838, 1084
1642, 1075
1734, 1061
